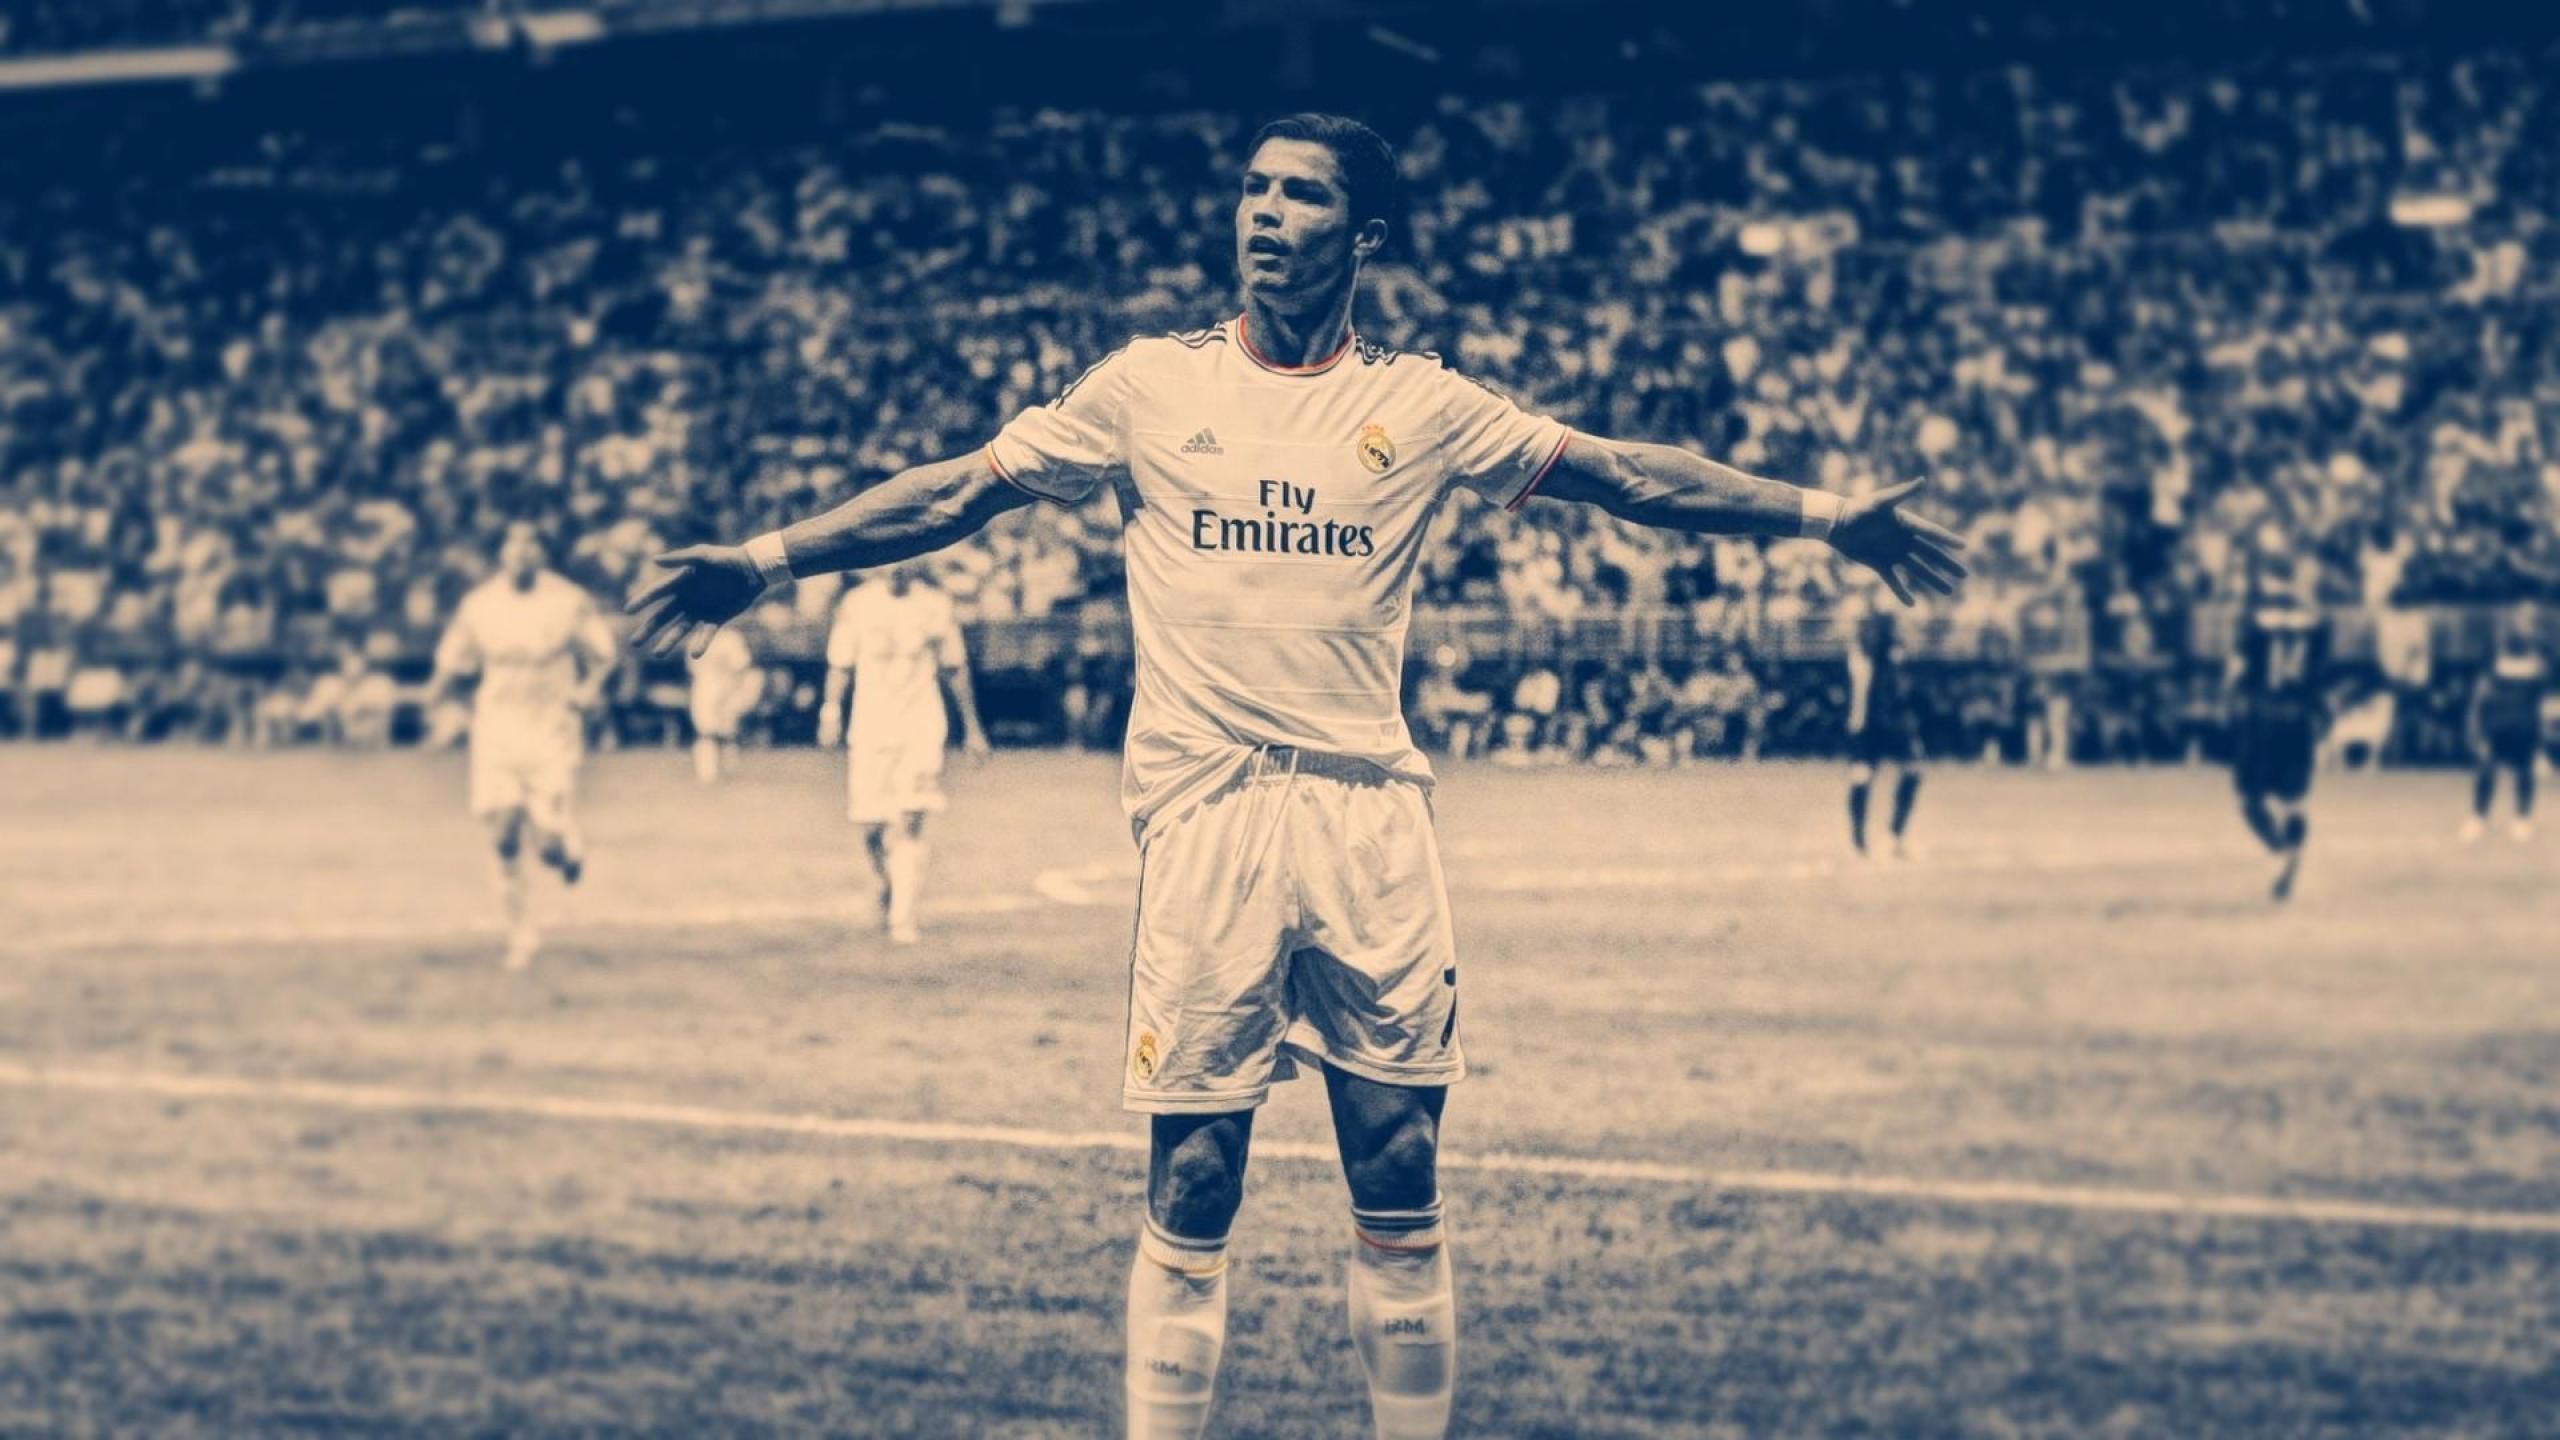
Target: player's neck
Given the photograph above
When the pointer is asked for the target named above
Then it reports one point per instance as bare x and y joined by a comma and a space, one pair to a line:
1299, 340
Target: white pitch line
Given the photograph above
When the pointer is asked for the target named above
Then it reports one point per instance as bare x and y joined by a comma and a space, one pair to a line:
1107, 883
174, 935
1981, 1193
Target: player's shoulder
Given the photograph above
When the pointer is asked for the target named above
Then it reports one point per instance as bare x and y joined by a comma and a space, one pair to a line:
1168, 355
1426, 376
480, 597
857, 598
1173, 349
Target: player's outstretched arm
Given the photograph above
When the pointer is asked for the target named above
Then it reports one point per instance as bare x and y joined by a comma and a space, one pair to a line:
1673, 489
914, 512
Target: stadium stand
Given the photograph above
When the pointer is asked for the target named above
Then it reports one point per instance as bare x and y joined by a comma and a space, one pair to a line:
273, 402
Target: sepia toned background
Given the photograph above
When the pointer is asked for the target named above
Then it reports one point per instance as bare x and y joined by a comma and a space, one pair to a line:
2056, 1127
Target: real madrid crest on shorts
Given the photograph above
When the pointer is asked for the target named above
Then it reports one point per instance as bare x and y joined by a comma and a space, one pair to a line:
1377, 452
1142, 1060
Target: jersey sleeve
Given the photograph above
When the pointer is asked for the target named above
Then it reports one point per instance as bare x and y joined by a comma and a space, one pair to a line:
1494, 447
1075, 444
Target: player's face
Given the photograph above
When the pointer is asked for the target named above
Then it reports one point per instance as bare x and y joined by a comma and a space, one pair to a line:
1294, 237
520, 554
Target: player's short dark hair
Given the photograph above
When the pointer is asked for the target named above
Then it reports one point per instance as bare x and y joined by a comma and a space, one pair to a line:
1372, 187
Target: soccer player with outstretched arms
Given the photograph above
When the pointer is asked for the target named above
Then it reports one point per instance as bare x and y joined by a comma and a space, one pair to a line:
1275, 473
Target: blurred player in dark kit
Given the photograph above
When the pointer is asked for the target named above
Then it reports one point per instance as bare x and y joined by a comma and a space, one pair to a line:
2276, 709
2506, 724
1881, 728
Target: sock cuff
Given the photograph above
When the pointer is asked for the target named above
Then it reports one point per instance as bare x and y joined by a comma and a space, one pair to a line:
1400, 1231
1182, 1254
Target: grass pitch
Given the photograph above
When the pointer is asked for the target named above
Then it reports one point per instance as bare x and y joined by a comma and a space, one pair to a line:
2061, 1130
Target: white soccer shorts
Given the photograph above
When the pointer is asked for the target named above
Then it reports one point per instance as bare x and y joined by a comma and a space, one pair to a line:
885, 782
538, 783
715, 717
1299, 915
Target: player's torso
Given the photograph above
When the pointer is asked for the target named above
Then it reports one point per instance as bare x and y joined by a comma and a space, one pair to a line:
723, 666
2280, 657
897, 660
1890, 688
2516, 685
1273, 525
528, 644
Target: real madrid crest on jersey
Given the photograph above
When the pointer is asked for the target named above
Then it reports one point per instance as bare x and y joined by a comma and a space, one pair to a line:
1377, 452
1142, 1059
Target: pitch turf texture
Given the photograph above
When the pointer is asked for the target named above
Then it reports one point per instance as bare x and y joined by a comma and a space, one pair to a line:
2062, 1131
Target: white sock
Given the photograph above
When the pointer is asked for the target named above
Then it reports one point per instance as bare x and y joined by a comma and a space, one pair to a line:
1177, 1329
511, 890
906, 878
1404, 1320
706, 760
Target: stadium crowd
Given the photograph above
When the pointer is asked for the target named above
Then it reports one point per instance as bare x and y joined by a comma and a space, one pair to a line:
280, 406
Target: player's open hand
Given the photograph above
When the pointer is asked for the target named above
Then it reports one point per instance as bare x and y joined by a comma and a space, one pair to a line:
1908, 550
702, 588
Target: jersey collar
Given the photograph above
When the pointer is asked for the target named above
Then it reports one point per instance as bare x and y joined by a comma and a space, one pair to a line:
1275, 367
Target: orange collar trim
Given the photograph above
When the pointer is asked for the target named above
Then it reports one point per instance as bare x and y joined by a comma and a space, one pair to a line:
1267, 363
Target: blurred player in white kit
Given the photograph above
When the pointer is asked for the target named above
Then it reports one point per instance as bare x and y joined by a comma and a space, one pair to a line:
726, 685
543, 653
896, 646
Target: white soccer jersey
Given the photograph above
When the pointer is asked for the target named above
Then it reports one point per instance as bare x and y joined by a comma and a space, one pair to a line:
1272, 517
897, 647
525, 646
721, 673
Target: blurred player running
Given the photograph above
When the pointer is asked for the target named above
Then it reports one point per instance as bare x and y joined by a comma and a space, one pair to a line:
726, 685
2277, 661
1275, 475
896, 645
543, 654
2506, 725
1881, 728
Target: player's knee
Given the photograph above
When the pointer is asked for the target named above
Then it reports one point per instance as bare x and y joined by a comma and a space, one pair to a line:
1199, 1182
507, 837
1862, 774
1400, 1170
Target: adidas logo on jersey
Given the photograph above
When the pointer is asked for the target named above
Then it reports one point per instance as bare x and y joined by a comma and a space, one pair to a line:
1203, 443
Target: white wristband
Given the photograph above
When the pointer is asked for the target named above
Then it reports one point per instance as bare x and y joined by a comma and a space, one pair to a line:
772, 566
1821, 512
